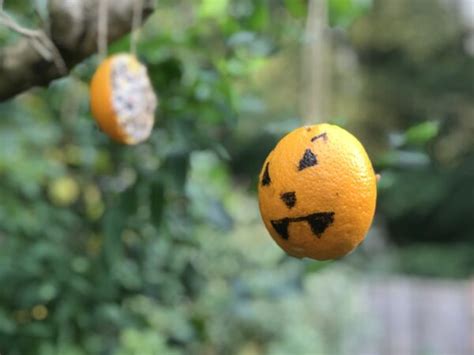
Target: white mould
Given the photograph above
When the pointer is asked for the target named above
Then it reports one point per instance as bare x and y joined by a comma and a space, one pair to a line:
133, 98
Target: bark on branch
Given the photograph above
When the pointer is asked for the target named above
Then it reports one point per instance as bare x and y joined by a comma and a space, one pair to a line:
73, 28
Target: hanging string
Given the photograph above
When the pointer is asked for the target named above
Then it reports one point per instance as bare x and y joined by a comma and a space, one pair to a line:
102, 26
136, 24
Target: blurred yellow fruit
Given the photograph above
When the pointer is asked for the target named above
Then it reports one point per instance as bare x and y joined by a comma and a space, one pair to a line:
39, 312
64, 191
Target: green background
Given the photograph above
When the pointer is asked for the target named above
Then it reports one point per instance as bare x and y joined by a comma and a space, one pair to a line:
159, 248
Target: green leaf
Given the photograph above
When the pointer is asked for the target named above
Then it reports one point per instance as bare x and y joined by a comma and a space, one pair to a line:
213, 8
157, 202
344, 12
317, 266
113, 224
422, 133
260, 16
297, 8
6, 324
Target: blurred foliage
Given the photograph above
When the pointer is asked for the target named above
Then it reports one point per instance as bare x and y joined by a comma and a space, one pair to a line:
344, 12
107, 249
158, 248
419, 91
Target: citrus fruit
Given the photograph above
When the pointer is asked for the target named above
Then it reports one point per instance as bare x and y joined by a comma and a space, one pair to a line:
122, 99
317, 192
64, 191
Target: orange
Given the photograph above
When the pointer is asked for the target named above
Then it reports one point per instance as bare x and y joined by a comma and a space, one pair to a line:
122, 99
317, 192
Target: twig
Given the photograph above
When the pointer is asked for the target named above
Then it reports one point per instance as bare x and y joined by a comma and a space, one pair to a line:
43, 18
73, 30
39, 40
8, 22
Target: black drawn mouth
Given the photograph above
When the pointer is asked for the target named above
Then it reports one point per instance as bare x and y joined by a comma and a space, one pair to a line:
318, 222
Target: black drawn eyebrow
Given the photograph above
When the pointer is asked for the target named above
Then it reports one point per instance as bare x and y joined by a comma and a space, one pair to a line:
323, 135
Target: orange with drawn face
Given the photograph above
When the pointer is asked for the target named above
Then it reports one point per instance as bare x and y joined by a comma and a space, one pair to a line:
317, 192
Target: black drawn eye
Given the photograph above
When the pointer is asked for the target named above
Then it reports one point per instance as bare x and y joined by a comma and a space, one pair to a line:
289, 199
308, 160
266, 180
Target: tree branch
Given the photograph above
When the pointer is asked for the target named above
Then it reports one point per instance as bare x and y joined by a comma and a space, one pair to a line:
73, 26
39, 40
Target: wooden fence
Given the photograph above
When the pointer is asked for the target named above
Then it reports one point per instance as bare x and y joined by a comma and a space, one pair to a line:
419, 317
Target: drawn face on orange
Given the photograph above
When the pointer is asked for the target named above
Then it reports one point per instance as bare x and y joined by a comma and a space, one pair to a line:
317, 192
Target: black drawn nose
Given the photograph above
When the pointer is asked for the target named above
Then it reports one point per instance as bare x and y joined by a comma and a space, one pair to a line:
289, 198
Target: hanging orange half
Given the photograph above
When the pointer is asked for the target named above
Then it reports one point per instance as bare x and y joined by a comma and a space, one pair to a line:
122, 99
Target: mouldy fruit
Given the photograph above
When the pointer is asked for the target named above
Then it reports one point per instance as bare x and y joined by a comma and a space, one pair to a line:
317, 192
122, 99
